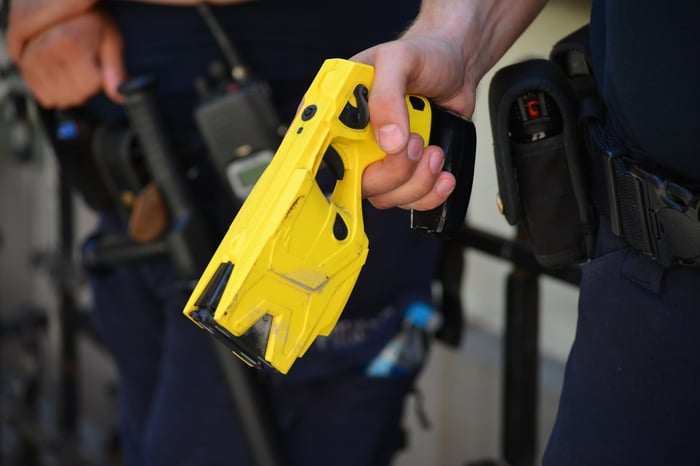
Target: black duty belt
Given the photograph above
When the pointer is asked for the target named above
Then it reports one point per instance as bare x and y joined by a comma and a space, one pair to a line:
655, 215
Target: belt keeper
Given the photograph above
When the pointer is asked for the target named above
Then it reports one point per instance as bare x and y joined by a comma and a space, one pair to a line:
610, 159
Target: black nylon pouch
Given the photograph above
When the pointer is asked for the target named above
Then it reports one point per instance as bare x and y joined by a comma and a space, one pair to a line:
71, 135
541, 171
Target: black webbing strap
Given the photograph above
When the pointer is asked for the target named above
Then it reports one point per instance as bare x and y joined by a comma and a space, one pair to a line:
656, 215
614, 190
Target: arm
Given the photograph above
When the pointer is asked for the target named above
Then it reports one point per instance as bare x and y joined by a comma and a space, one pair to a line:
443, 56
68, 50
28, 18
73, 60
194, 2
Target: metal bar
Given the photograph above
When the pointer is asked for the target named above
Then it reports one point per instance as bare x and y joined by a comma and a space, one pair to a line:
520, 368
516, 252
520, 345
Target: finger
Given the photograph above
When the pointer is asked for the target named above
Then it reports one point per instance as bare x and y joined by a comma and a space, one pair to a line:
58, 72
80, 67
67, 84
393, 170
36, 84
84, 80
41, 71
441, 191
427, 187
112, 65
387, 104
436, 196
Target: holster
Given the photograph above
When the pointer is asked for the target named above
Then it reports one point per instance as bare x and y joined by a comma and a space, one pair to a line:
71, 135
540, 160
131, 167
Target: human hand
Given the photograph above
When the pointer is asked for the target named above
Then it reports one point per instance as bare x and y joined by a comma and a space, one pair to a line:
73, 60
411, 177
27, 18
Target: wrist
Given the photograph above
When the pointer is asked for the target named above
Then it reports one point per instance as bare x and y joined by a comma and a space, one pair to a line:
480, 31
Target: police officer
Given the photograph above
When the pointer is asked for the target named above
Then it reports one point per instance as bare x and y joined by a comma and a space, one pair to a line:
175, 405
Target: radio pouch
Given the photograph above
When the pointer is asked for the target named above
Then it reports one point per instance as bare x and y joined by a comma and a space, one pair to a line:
540, 167
236, 117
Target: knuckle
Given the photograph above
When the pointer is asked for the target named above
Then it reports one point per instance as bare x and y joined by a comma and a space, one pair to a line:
379, 203
423, 185
65, 42
393, 49
399, 171
397, 178
426, 202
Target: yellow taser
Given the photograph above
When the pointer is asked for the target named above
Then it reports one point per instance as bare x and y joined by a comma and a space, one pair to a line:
285, 269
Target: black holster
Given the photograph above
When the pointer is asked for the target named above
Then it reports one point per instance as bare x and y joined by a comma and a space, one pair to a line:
541, 164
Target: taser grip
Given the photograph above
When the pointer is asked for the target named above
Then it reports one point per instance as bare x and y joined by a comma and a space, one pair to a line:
285, 269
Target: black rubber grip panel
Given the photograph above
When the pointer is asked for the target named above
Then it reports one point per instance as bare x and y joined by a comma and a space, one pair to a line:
457, 138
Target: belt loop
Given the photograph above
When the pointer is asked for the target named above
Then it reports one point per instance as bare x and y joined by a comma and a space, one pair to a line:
645, 273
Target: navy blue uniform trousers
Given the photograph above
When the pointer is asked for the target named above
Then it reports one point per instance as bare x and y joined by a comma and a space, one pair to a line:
631, 393
176, 406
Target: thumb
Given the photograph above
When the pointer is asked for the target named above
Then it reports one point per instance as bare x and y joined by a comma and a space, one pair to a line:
387, 102
112, 64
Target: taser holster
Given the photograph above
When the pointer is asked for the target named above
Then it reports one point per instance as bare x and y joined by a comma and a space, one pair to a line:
540, 158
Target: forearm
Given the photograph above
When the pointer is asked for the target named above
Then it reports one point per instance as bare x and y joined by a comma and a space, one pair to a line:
193, 2
482, 30
28, 18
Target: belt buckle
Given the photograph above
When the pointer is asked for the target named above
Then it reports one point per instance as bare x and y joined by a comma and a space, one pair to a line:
671, 220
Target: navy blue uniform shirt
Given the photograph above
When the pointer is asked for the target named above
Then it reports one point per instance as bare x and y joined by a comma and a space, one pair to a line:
285, 42
645, 55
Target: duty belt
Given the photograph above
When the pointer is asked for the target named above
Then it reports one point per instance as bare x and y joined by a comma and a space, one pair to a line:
657, 216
